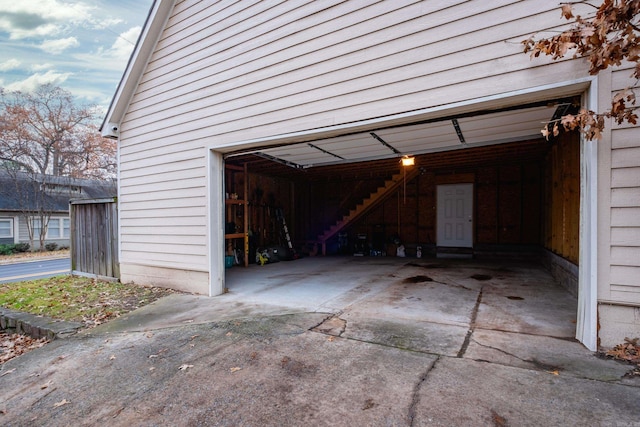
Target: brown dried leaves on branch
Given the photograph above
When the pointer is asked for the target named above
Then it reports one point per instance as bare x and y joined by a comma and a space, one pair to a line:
607, 38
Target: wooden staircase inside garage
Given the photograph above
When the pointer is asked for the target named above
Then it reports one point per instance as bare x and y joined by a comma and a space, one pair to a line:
367, 204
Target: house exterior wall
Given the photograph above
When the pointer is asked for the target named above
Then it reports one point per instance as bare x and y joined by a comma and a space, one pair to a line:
619, 199
220, 75
24, 234
225, 74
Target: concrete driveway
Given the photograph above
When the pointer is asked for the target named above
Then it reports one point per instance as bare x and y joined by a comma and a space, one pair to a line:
334, 341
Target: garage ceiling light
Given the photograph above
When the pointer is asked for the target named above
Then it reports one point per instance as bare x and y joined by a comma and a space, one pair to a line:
408, 161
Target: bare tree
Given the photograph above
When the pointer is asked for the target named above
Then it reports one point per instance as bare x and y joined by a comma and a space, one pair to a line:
46, 132
46, 140
608, 36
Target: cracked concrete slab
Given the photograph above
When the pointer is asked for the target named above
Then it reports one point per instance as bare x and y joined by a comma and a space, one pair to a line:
371, 342
549, 354
540, 312
464, 392
256, 372
427, 337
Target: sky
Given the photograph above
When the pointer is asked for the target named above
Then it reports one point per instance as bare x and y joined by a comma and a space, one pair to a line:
82, 46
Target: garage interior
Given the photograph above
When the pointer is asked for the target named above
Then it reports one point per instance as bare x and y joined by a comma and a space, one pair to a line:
351, 195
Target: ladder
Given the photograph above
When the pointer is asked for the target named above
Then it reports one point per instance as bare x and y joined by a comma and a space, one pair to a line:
285, 232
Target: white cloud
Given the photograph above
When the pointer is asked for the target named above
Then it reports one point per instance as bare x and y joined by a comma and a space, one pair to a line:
11, 64
41, 18
40, 67
60, 45
37, 79
106, 23
124, 44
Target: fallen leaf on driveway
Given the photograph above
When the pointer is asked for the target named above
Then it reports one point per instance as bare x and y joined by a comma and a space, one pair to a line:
152, 356
185, 367
61, 403
236, 369
229, 334
45, 385
554, 372
188, 321
330, 339
113, 356
8, 372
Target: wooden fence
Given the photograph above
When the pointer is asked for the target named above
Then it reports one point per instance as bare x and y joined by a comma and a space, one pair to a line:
94, 238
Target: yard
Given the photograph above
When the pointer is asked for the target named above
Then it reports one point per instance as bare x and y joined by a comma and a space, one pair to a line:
77, 299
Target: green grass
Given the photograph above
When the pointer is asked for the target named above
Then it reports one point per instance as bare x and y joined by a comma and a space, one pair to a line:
77, 299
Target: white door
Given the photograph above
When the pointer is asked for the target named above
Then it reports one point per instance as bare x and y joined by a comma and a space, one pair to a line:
455, 215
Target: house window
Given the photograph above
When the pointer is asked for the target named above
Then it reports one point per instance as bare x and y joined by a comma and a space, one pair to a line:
6, 228
36, 225
58, 228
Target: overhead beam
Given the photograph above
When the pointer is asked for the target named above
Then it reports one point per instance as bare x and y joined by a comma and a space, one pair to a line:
279, 160
383, 142
456, 126
324, 151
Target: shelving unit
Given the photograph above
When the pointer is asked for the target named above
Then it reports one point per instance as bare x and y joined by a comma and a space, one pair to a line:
231, 210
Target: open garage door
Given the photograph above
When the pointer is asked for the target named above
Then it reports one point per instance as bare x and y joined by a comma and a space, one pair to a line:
350, 194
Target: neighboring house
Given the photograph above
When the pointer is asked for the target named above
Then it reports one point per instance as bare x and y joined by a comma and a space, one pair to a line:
36, 199
343, 89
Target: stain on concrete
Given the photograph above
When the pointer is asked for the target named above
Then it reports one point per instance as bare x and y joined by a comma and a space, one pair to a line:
417, 279
481, 277
368, 404
515, 298
297, 368
498, 420
413, 264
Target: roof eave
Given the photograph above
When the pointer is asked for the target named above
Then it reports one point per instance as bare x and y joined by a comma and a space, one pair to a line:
159, 13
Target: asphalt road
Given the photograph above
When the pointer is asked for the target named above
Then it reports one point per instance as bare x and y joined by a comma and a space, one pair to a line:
34, 270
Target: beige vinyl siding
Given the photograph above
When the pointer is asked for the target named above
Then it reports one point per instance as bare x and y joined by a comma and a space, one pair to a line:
224, 72
398, 64
625, 204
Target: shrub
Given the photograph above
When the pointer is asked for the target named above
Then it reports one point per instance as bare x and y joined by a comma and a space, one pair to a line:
51, 246
21, 247
7, 249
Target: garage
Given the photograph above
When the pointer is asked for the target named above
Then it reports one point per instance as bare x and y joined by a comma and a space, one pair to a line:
321, 100
465, 193
353, 195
